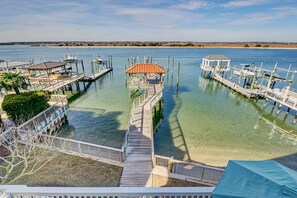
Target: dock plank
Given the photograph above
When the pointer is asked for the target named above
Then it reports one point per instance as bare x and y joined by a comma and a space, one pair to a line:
138, 165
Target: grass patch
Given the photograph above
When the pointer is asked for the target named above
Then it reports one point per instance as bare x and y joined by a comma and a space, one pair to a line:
68, 170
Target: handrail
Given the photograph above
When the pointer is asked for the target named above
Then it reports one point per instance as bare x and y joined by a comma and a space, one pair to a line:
135, 103
35, 192
61, 100
85, 143
154, 99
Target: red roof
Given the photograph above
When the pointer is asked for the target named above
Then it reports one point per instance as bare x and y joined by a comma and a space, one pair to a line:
147, 68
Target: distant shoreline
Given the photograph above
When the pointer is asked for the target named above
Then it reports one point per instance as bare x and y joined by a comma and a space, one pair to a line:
165, 47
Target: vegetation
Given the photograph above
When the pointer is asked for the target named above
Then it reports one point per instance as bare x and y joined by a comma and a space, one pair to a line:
246, 45
18, 159
265, 45
23, 106
13, 80
68, 170
258, 45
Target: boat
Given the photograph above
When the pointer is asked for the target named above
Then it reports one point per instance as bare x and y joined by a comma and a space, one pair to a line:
70, 58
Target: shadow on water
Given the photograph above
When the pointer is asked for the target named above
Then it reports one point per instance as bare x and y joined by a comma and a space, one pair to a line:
170, 134
281, 125
94, 126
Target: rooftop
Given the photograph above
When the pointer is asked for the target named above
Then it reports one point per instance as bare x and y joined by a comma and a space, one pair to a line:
145, 68
46, 65
217, 57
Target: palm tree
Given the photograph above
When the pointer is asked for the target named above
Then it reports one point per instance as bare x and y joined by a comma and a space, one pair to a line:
13, 80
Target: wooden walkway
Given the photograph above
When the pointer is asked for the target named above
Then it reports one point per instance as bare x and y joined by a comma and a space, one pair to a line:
63, 82
255, 93
97, 75
138, 165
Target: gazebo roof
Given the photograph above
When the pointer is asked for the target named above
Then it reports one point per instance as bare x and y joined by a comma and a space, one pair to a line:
46, 65
145, 68
217, 57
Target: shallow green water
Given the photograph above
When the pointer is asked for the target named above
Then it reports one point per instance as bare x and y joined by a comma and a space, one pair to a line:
204, 122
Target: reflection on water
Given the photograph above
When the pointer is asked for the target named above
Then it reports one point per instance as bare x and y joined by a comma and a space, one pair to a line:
218, 124
204, 122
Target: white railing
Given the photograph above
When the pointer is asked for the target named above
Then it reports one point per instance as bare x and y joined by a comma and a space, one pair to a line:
135, 103
102, 153
53, 84
194, 171
21, 191
43, 120
48, 118
153, 102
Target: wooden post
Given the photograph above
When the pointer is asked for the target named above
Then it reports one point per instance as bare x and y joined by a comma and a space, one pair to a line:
279, 108
168, 65
172, 69
254, 78
178, 70
92, 68
83, 67
170, 165
85, 88
126, 79
239, 79
288, 110
76, 66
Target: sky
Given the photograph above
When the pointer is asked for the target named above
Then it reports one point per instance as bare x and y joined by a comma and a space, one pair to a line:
149, 20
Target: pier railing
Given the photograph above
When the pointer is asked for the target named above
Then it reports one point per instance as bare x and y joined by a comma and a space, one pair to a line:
153, 102
48, 118
94, 151
51, 84
135, 103
190, 170
17, 191
43, 121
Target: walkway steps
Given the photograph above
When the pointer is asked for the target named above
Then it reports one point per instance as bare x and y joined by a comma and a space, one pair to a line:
138, 167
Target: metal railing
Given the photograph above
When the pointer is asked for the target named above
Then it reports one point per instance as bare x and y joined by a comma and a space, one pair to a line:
101, 153
153, 102
51, 84
43, 120
22, 191
135, 103
47, 118
194, 171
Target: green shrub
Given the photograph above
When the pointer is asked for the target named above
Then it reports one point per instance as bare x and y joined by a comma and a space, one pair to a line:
258, 45
21, 107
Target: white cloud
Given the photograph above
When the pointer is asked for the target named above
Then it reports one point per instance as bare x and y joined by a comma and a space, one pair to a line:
245, 3
195, 4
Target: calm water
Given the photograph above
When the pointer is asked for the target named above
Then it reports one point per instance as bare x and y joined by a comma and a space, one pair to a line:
203, 122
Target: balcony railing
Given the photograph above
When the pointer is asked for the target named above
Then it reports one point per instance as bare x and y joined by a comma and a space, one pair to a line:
21, 191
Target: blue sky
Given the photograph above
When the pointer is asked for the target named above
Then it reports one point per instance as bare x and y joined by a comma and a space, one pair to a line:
148, 20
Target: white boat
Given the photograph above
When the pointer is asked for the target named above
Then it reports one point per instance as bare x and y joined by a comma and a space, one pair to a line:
98, 60
70, 58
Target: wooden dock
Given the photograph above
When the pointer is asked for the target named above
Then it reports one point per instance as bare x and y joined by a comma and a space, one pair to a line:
254, 93
97, 75
60, 83
138, 164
